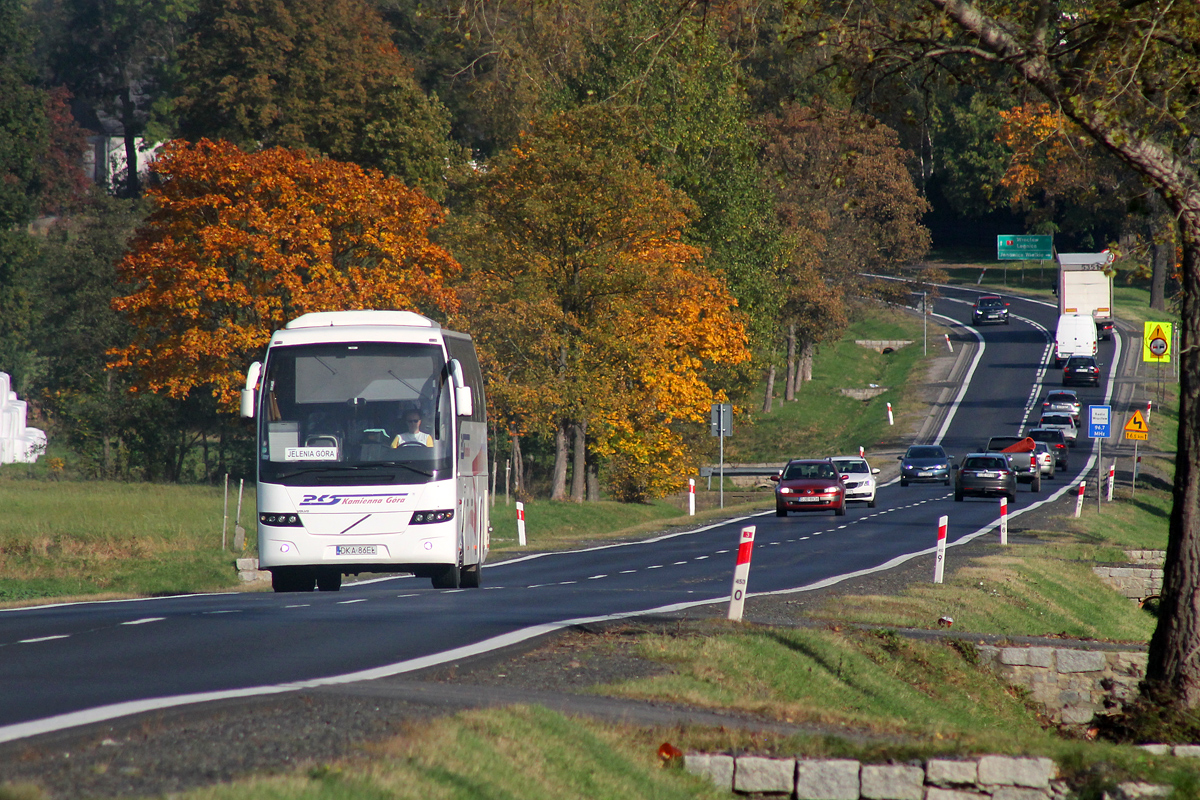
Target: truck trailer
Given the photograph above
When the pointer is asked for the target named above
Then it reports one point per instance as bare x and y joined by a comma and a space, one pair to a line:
1084, 287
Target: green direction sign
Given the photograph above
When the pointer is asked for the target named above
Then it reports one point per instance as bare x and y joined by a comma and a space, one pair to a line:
1024, 248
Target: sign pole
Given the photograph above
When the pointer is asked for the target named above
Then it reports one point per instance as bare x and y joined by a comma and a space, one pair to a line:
721, 462
1133, 478
1099, 464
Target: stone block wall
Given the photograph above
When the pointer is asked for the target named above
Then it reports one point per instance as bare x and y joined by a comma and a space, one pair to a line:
995, 777
1140, 578
1072, 685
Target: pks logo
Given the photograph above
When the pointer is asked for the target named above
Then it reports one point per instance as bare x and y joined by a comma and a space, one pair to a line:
329, 500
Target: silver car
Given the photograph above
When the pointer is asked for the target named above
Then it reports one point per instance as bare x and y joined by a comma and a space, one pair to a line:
858, 476
1066, 423
1046, 459
1064, 401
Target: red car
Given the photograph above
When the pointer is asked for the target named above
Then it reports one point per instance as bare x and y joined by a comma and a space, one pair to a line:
809, 485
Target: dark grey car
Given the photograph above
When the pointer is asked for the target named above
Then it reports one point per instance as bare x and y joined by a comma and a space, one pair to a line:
924, 463
985, 475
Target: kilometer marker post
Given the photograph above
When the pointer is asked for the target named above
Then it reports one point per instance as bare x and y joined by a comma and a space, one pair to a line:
520, 523
741, 574
1079, 499
939, 567
1003, 520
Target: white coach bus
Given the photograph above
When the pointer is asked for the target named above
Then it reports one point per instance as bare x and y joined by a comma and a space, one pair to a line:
372, 451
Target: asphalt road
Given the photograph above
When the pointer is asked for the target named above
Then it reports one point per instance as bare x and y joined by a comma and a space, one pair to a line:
76, 664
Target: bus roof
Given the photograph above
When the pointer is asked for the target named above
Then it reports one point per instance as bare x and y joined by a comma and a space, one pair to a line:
329, 319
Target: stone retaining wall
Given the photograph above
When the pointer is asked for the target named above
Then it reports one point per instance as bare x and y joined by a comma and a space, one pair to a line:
1141, 579
1072, 685
983, 778
996, 777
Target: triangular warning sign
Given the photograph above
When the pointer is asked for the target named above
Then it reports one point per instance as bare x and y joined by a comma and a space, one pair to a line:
1137, 423
1158, 333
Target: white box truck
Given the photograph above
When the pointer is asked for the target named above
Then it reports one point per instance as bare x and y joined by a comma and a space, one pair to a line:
1085, 288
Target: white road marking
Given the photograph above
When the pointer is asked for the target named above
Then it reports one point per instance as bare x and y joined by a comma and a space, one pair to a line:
144, 621
348, 602
597, 577
43, 639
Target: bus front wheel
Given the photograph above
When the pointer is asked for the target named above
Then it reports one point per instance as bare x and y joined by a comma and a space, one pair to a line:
471, 577
329, 580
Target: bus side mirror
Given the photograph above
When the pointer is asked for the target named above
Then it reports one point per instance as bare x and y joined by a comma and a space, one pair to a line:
463, 401
248, 393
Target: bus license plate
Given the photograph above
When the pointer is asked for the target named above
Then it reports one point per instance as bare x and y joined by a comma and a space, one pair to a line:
356, 549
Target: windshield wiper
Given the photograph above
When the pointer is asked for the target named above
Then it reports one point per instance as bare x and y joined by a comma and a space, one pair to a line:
355, 468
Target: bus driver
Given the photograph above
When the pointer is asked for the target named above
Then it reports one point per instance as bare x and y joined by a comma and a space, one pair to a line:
413, 435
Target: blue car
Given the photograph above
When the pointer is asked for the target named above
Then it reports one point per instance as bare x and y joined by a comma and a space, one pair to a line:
924, 463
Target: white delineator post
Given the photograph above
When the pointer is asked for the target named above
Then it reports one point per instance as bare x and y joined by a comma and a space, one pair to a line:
1079, 500
520, 523
741, 573
691, 497
1112, 476
861, 452
891, 421
939, 566
948, 343
1003, 520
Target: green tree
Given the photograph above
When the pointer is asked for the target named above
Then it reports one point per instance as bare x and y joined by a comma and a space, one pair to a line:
597, 322
849, 206
1127, 75
116, 55
316, 75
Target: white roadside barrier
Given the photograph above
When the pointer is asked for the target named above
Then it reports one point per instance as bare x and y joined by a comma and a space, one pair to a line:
939, 567
741, 573
1003, 520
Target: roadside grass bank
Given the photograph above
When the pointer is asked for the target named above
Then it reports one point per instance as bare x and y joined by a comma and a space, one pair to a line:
97, 539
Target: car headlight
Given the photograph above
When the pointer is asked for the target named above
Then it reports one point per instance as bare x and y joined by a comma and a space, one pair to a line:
784, 490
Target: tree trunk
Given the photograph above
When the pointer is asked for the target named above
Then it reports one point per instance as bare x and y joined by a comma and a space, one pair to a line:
579, 463
1162, 264
558, 486
807, 349
1173, 671
789, 389
593, 484
132, 186
517, 466
768, 396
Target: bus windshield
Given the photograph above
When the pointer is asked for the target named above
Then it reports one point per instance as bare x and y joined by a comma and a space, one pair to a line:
355, 413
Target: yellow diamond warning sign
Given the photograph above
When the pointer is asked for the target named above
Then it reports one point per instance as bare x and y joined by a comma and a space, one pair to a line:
1156, 342
1137, 428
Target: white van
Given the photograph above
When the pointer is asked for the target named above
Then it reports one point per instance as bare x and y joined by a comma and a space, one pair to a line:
1075, 336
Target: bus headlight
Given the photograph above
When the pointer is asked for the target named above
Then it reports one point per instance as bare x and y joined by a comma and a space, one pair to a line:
281, 520
426, 517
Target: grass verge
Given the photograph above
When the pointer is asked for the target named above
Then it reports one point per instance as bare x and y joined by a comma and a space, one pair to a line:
98, 539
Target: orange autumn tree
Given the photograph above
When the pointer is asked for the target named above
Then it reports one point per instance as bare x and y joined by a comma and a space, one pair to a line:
240, 243
597, 322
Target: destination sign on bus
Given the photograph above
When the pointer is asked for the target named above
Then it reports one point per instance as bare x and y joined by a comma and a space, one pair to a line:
310, 454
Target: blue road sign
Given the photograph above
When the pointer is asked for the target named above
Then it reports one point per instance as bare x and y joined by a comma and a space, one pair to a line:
1099, 422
